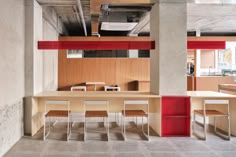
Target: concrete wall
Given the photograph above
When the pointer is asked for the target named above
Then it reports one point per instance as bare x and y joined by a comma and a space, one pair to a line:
24, 70
12, 33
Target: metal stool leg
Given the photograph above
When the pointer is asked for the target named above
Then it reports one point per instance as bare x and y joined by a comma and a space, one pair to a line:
84, 129
44, 128
229, 129
124, 128
108, 134
205, 134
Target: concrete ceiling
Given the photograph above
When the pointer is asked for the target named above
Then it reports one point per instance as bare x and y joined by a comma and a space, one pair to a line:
219, 16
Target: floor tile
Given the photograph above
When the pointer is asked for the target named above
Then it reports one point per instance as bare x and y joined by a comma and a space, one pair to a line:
159, 146
200, 154
125, 146
62, 146
95, 155
227, 154
166, 154
95, 146
190, 145
130, 155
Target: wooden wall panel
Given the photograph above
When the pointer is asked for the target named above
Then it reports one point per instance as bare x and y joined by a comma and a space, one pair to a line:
112, 71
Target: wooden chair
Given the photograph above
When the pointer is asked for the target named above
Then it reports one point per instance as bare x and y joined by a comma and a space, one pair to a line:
213, 113
56, 113
101, 113
135, 113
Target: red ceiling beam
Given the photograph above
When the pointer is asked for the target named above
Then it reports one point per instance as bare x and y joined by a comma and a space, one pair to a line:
122, 45
96, 45
206, 45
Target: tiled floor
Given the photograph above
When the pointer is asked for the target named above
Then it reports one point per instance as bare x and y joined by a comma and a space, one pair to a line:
135, 146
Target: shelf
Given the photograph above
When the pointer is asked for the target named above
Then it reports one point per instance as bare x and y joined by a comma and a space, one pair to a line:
166, 116
175, 106
175, 116
176, 126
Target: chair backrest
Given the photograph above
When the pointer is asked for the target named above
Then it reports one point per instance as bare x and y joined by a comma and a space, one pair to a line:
136, 102
133, 105
96, 103
57, 103
216, 102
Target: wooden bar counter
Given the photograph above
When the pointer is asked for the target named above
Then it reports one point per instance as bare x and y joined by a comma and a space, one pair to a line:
116, 100
76, 98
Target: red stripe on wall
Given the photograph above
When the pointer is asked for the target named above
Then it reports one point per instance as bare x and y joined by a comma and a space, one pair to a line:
206, 45
96, 45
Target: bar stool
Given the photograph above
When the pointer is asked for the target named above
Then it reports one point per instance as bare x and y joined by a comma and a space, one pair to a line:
213, 113
77, 88
56, 113
135, 113
101, 113
113, 88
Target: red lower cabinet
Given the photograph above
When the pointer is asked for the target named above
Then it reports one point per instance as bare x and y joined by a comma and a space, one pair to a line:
175, 115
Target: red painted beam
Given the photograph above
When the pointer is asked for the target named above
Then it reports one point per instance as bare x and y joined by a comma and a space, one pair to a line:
122, 45
206, 45
96, 45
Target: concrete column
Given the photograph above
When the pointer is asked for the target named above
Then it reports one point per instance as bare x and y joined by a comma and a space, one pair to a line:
33, 58
169, 60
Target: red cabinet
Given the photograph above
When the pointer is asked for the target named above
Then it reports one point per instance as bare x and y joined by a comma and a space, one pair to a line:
175, 115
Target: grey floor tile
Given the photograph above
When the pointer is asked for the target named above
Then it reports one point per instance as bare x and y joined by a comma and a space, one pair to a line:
221, 145
159, 145
190, 145
62, 146
200, 154
29, 145
95, 146
227, 154
166, 154
58, 155
125, 146
129, 155
17, 154
95, 155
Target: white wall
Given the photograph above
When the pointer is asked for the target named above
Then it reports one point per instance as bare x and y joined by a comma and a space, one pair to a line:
12, 32
50, 59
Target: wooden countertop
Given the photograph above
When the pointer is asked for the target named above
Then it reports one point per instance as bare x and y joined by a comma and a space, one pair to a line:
96, 94
209, 94
131, 94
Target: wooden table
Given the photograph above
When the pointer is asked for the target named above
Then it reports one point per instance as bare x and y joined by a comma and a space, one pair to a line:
77, 98
197, 98
116, 100
227, 87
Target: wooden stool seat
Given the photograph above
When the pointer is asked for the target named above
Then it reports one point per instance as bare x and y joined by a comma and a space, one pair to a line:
210, 113
134, 113
96, 114
57, 113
